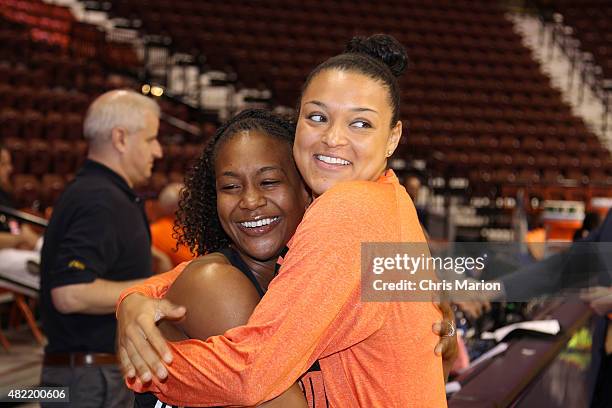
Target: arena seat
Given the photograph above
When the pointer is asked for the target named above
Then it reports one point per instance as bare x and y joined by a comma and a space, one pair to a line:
52, 186
590, 23
39, 157
26, 190
63, 157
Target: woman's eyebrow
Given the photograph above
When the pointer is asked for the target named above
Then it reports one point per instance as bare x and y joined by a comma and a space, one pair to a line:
270, 168
360, 109
318, 103
355, 109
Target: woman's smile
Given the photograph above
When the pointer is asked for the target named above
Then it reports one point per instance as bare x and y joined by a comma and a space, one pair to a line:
259, 226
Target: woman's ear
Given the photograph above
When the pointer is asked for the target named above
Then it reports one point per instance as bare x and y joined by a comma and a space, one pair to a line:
394, 138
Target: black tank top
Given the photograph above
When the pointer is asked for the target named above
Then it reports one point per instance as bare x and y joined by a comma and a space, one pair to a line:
237, 262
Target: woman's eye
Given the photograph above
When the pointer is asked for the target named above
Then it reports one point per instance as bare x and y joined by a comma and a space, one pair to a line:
270, 182
316, 117
229, 187
361, 124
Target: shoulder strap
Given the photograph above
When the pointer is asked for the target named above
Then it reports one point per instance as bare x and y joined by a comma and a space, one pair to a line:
236, 261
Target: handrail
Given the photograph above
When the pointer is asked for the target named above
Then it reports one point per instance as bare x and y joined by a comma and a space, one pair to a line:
24, 216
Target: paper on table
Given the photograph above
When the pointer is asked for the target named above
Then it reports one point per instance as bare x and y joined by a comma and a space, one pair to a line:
541, 326
452, 387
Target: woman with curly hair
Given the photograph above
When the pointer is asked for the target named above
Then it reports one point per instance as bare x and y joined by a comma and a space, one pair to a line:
242, 201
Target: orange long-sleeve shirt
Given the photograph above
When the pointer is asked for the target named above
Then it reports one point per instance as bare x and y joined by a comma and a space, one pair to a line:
371, 354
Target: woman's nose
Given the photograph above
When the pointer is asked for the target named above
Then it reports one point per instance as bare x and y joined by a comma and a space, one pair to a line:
252, 199
334, 136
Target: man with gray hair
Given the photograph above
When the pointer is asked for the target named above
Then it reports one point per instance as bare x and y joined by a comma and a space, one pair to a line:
96, 245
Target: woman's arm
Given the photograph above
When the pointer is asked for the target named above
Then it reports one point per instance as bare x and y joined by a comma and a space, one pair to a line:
310, 302
157, 286
139, 308
218, 297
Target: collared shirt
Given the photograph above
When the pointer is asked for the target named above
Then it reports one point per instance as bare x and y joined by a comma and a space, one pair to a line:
98, 230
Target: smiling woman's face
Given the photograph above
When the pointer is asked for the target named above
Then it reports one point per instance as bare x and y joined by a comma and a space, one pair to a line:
344, 131
260, 196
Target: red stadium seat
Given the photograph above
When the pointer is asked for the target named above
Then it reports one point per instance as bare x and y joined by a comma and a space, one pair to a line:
39, 157
33, 125
26, 190
10, 125
63, 157
19, 153
54, 126
51, 188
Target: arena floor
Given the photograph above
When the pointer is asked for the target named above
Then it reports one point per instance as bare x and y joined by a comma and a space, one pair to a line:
20, 365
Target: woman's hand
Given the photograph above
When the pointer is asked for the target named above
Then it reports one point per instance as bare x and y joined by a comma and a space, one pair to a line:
599, 299
447, 346
140, 344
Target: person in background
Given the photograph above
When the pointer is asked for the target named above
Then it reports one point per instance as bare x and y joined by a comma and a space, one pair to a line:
591, 221
586, 261
412, 183
19, 243
97, 244
162, 230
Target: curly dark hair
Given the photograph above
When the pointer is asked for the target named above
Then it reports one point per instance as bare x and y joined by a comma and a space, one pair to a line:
197, 223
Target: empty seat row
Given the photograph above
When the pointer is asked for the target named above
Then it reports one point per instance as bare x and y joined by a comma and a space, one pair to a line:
590, 23
31, 191
38, 157
23, 98
36, 125
42, 191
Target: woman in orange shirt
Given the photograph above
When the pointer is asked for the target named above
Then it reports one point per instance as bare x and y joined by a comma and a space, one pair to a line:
243, 199
370, 354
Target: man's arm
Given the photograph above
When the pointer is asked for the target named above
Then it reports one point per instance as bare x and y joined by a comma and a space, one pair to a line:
8, 240
97, 297
77, 269
603, 305
26, 239
599, 299
164, 263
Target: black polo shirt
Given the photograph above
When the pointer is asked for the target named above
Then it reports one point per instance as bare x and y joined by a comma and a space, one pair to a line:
98, 230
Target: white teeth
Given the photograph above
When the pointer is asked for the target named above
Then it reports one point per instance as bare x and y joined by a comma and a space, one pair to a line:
332, 160
258, 223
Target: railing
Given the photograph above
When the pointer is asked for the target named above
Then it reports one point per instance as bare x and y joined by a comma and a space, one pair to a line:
591, 74
23, 216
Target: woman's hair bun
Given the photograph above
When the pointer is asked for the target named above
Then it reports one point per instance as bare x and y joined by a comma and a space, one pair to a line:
381, 47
